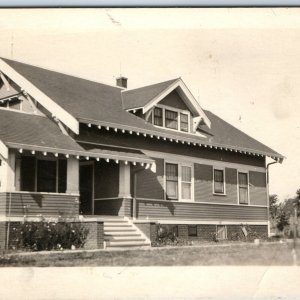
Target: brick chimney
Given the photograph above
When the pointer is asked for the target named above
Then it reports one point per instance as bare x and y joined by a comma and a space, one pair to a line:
122, 82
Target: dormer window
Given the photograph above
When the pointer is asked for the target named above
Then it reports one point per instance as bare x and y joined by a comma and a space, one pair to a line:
158, 116
184, 122
171, 118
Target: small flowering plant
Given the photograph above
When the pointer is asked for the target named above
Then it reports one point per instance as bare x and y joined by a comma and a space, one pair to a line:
48, 235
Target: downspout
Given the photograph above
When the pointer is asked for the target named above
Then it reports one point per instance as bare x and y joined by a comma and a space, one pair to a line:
268, 196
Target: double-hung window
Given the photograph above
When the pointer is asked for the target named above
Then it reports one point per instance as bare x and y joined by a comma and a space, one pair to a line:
178, 182
184, 122
186, 183
243, 188
172, 181
171, 119
158, 116
219, 182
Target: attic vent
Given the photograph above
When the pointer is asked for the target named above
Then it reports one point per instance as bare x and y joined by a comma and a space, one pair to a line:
122, 82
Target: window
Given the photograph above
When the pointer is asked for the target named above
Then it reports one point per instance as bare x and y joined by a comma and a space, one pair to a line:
172, 181
179, 180
192, 230
39, 175
186, 182
158, 116
219, 186
243, 187
171, 119
184, 122
175, 119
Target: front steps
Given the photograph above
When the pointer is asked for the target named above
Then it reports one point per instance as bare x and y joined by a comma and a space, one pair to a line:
120, 233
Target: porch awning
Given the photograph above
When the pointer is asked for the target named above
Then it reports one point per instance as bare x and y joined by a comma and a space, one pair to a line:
117, 153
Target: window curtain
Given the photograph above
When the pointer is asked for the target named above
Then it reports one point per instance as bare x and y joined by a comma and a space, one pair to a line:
172, 181
171, 119
243, 188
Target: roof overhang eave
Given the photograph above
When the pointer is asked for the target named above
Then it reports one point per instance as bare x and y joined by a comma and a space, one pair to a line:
80, 153
171, 137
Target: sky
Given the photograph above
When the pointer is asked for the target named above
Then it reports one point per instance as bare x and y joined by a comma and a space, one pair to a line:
242, 64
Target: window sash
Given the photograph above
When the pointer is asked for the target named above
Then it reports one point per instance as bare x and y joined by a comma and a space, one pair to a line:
171, 119
243, 188
184, 122
158, 116
219, 182
172, 181
178, 179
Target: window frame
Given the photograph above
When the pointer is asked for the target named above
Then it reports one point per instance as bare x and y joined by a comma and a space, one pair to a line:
238, 187
180, 165
36, 159
224, 181
179, 112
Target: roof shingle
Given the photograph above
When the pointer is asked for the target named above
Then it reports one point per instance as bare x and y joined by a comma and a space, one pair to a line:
100, 104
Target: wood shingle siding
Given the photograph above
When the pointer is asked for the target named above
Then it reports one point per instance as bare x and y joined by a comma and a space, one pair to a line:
33, 204
199, 211
149, 184
174, 100
258, 191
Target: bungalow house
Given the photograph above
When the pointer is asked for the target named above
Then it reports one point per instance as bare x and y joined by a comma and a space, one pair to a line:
134, 158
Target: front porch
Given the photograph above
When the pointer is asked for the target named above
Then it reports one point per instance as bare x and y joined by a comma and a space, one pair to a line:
36, 183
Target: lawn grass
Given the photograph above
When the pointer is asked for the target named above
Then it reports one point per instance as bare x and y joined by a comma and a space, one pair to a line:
246, 254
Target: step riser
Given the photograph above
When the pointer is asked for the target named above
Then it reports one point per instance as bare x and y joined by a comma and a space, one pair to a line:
121, 235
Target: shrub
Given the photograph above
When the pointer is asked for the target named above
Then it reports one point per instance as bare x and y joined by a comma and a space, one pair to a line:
38, 236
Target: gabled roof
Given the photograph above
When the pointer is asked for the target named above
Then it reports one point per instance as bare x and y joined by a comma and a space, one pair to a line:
139, 97
148, 96
98, 104
33, 130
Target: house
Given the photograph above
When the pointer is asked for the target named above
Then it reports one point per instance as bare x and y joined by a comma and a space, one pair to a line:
141, 157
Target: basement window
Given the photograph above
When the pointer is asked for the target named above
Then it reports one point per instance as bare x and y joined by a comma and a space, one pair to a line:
192, 230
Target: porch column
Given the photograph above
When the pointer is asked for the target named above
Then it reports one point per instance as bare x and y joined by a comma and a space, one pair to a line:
72, 176
10, 172
124, 180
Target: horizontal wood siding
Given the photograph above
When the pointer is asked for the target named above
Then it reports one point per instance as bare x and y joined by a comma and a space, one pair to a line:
106, 180
2, 203
151, 185
204, 185
45, 204
258, 190
111, 207
127, 203
199, 211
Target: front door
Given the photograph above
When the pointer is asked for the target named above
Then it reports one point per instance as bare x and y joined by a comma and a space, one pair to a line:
86, 187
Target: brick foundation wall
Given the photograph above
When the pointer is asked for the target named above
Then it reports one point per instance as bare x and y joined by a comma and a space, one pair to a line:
206, 232
95, 238
149, 229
